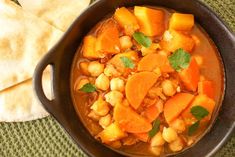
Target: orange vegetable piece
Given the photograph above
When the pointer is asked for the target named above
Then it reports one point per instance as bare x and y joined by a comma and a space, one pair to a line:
151, 21
108, 39
200, 100
181, 22
174, 40
116, 61
142, 136
175, 105
154, 60
126, 20
137, 87
151, 113
207, 88
190, 76
129, 120
88, 49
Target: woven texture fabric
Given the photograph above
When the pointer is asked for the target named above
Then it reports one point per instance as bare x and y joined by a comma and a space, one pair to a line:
45, 137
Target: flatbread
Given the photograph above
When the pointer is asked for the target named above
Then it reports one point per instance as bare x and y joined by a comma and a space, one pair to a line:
24, 39
18, 103
59, 13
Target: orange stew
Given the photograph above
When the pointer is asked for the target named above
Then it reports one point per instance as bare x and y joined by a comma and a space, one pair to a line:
147, 80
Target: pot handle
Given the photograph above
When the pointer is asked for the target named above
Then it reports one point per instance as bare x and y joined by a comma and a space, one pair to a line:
37, 81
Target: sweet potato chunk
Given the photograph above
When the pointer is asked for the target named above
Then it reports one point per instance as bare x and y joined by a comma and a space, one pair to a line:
190, 76
151, 21
181, 22
175, 105
108, 39
174, 40
126, 20
129, 120
207, 88
200, 100
137, 87
153, 61
88, 49
111, 133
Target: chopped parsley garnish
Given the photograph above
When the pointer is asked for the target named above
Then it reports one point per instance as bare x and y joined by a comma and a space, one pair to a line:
88, 88
142, 39
180, 59
193, 128
155, 129
199, 112
128, 63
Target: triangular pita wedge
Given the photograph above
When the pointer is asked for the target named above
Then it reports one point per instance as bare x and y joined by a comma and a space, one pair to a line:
24, 39
18, 103
59, 13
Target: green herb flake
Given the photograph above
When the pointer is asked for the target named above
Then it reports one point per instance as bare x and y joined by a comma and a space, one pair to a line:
128, 63
193, 128
142, 39
88, 88
155, 129
199, 112
180, 59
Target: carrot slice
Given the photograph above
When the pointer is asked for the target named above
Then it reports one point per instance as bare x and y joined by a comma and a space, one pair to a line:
108, 39
181, 22
154, 60
142, 136
151, 112
175, 105
127, 20
174, 40
129, 120
207, 88
190, 76
200, 100
151, 21
137, 87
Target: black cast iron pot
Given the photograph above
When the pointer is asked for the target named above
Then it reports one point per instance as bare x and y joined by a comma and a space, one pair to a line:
61, 59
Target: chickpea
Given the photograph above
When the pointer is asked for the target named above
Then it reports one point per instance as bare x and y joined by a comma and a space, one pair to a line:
176, 145
117, 84
125, 42
102, 82
169, 134
156, 150
105, 121
111, 71
93, 116
178, 125
84, 67
157, 140
168, 88
80, 83
114, 97
100, 107
95, 68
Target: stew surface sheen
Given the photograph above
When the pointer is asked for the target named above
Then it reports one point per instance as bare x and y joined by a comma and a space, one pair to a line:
133, 104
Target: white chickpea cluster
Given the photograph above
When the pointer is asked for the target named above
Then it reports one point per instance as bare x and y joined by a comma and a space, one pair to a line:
117, 84
102, 82
114, 97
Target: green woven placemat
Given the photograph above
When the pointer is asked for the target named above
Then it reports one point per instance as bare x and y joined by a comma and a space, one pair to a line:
45, 137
